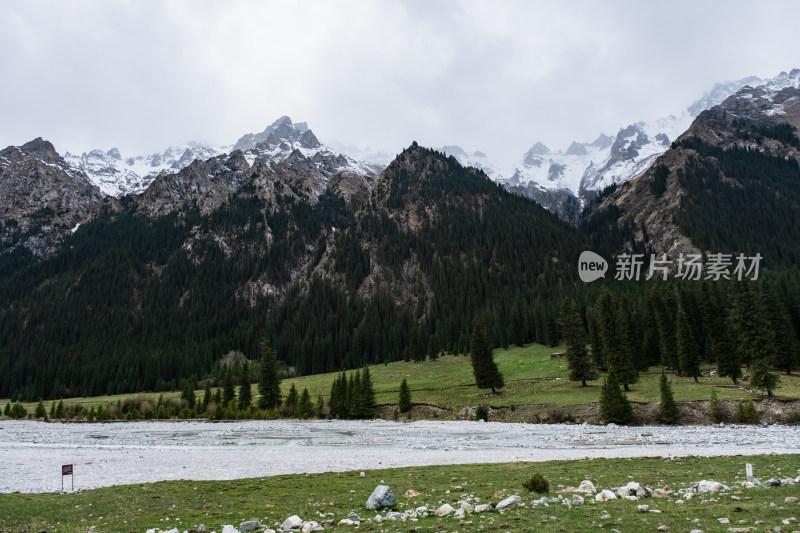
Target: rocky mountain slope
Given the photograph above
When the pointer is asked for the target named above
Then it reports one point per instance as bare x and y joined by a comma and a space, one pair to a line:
42, 198
729, 184
336, 265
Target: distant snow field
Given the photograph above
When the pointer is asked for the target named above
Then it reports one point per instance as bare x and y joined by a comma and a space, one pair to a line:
32, 453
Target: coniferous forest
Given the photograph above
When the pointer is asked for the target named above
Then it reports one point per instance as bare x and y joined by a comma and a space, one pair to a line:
134, 303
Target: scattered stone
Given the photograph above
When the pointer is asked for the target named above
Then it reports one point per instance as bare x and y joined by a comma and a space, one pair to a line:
605, 495
679, 502
250, 525
394, 515
293, 522
308, 527
772, 482
577, 500
422, 509
787, 481
382, 496
201, 527
229, 529
605, 516
723, 521
498, 494
378, 519
483, 508
710, 486
459, 514
587, 487
790, 499
411, 493
444, 510
508, 502
663, 528
642, 508
466, 506
354, 517
348, 522
697, 531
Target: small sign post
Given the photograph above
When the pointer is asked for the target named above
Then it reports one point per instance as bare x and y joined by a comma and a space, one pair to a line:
66, 470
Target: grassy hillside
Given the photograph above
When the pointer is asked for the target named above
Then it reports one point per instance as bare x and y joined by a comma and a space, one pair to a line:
531, 376
186, 504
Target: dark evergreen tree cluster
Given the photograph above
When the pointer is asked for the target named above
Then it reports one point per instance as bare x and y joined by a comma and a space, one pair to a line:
353, 396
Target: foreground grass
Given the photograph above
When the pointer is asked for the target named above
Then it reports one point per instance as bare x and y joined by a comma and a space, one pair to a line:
531, 377
186, 504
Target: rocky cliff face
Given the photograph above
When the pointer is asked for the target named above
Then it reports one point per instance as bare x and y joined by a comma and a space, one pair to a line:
757, 121
41, 198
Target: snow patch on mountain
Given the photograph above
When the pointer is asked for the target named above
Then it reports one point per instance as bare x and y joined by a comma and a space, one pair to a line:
116, 175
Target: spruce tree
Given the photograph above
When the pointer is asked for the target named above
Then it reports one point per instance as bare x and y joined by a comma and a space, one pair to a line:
303, 410
269, 378
404, 403
320, 409
7, 409
291, 398
53, 409
614, 405
762, 378
217, 397
484, 368
245, 390
580, 367
188, 394
630, 348
728, 359
40, 412
669, 409
228, 388
60, 409
688, 358
367, 396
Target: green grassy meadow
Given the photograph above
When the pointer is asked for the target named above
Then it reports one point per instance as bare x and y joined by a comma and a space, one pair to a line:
531, 376
186, 504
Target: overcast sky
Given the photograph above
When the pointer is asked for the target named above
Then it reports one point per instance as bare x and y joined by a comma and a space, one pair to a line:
495, 76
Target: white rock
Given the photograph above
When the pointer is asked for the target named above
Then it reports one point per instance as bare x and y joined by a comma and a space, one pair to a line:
723, 521
604, 496
508, 502
444, 510
663, 528
790, 499
466, 506
642, 508
348, 522
459, 513
482, 508
308, 527
587, 487
382, 496
697, 531
293, 522
250, 525
229, 529
710, 486
577, 500
363, 474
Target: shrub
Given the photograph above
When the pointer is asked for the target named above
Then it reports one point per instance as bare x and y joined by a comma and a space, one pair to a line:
793, 418
482, 413
746, 413
537, 483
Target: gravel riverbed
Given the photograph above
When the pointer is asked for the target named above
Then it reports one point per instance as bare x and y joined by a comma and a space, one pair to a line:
31, 453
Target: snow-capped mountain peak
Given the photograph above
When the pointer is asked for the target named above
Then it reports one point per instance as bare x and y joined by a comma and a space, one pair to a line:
117, 174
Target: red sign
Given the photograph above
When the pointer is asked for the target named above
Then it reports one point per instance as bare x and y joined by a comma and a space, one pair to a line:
66, 470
